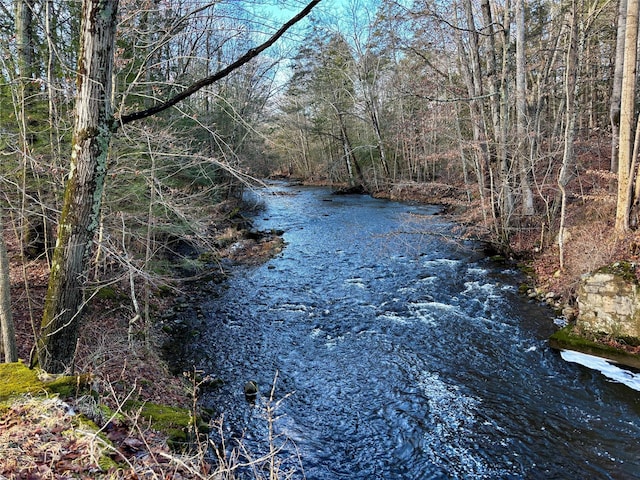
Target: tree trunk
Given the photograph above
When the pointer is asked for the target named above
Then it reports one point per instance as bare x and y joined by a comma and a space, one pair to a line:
616, 90
56, 344
571, 82
496, 92
627, 114
373, 115
349, 156
25, 48
522, 130
33, 225
506, 203
7, 334
472, 76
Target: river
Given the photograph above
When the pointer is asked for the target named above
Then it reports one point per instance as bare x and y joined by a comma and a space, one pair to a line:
399, 352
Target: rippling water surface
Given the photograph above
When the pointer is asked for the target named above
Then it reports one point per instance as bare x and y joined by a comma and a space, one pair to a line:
401, 354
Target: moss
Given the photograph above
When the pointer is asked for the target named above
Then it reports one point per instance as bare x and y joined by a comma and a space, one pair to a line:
235, 213
190, 264
164, 416
527, 269
18, 379
209, 257
108, 293
160, 266
85, 422
567, 339
107, 463
177, 423
164, 291
623, 269
105, 412
66, 386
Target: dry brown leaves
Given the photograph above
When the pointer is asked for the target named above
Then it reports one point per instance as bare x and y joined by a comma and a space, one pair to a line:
40, 439
44, 439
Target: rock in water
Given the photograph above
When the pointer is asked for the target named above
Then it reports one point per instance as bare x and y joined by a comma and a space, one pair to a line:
250, 390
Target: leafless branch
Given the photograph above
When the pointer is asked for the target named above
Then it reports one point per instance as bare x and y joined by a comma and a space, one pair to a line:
220, 74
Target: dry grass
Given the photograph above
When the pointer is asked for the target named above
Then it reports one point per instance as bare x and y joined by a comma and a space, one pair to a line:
46, 439
52, 439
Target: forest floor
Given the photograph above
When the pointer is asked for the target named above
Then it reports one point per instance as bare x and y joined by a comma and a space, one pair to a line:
123, 367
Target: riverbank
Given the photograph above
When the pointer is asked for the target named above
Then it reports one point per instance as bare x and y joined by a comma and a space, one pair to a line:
132, 399
590, 243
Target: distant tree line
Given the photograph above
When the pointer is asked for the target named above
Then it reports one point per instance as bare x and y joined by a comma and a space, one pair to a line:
496, 94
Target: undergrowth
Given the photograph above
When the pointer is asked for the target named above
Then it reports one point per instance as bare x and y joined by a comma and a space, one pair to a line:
50, 438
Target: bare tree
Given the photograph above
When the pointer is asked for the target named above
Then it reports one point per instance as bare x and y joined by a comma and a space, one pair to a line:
522, 129
93, 129
616, 90
571, 83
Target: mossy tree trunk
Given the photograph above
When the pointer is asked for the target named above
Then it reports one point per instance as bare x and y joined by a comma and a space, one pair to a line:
56, 344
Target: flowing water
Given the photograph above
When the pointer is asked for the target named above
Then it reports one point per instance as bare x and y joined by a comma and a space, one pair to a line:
402, 354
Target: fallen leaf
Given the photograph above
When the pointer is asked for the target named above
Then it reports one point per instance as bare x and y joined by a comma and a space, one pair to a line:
133, 443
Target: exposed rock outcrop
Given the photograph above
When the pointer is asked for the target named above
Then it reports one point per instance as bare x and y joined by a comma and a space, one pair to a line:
609, 302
